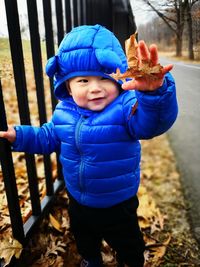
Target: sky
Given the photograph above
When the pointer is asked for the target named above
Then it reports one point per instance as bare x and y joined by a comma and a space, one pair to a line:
3, 26
22, 9
141, 16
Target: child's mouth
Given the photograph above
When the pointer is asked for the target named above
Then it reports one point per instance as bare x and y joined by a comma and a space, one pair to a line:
98, 99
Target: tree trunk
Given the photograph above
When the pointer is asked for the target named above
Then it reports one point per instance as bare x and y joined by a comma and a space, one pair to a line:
179, 42
190, 31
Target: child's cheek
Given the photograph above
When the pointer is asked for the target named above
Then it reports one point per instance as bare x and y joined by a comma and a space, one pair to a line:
80, 99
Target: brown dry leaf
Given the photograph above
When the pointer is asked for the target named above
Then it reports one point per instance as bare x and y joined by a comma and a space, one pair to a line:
54, 222
157, 251
8, 249
53, 250
4, 221
162, 249
158, 222
149, 215
107, 254
131, 51
51, 256
136, 68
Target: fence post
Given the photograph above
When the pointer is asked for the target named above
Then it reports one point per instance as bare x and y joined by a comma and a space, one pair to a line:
49, 40
59, 20
50, 52
20, 82
68, 16
9, 178
83, 12
75, 12
38, 73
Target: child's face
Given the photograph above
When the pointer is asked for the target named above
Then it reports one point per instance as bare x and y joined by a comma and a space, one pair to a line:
93, 93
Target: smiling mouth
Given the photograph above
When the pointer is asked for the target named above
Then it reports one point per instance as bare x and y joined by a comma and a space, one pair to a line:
97, 99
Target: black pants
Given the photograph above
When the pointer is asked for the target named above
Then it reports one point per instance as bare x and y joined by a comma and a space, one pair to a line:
117, 225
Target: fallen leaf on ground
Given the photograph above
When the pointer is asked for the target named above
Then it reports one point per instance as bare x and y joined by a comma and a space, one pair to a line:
55, 223
8, 249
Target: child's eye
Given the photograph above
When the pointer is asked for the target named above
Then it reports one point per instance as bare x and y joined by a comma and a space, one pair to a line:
104, 78
83, 81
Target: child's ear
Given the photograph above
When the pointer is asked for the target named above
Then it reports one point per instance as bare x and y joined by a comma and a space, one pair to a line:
68, 88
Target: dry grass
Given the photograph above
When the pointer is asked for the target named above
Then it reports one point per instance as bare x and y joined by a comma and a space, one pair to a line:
184, 58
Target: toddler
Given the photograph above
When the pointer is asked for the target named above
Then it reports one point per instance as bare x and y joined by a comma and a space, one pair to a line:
96, 128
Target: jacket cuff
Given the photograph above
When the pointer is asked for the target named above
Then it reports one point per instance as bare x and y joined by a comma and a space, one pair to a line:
16, 145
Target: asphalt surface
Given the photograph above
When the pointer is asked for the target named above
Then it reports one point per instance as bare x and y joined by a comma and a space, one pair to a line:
185, 136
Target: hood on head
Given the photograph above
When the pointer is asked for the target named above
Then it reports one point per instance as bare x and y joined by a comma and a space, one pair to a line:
85, 51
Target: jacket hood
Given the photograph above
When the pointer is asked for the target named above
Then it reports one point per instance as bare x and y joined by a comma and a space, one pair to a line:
85, 51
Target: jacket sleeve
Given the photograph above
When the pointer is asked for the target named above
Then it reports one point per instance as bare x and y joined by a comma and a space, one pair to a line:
36, 140
156, 111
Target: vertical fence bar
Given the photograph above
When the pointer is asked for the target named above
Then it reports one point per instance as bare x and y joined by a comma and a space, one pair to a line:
49, 40
9, 178
20, 83
75, 12
68, 16
82, 12
59, 20
50, 52
89, 17
79, 11
37, 58
37, 65
48, 28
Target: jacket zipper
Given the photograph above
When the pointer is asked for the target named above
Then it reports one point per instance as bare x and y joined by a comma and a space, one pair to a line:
77, 141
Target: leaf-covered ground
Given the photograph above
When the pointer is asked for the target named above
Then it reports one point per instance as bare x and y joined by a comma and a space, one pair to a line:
162, 212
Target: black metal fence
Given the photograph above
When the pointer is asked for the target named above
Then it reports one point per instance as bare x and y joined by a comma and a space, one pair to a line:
115, 15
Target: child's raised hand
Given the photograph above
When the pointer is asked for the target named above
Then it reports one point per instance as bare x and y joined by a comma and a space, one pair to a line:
146, 83
10, 134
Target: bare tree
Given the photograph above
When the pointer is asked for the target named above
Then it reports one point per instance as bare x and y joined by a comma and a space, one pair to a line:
175, 13
196, 27
188, 10
172, 12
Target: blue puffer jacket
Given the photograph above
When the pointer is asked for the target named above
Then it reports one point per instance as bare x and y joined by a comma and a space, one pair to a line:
100, 151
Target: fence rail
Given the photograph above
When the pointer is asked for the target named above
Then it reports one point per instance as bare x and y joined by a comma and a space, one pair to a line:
115, 15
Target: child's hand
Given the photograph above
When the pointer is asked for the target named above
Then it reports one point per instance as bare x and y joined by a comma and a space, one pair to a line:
146, 83
10, 134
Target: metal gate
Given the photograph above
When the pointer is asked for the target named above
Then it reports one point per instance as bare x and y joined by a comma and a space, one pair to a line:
115, 15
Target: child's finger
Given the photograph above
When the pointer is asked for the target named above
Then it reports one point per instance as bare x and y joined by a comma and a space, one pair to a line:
167, 68
153, 54
140, 84
2, 134
130, 85
143, 51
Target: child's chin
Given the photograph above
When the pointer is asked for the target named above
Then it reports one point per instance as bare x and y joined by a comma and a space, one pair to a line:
97, 108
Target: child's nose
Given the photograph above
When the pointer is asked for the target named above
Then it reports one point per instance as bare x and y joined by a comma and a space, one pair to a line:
95, 87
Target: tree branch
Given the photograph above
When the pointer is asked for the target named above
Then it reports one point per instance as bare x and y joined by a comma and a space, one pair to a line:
161, 15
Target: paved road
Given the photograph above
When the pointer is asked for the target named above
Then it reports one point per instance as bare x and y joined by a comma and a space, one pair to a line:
185, 136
